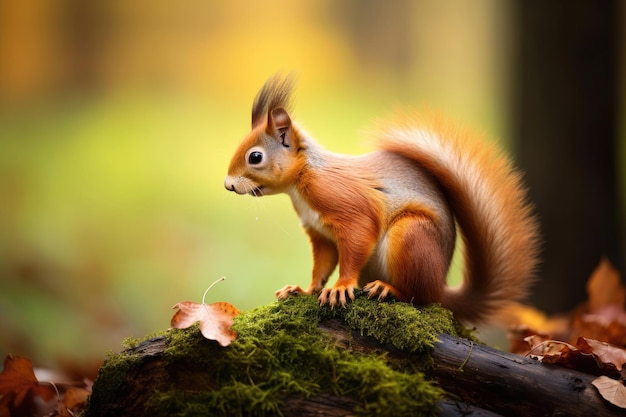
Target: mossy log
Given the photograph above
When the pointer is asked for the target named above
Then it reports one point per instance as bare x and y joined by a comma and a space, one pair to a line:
296, 359
505, 383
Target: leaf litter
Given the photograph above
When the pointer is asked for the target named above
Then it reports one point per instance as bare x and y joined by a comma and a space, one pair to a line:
590, 339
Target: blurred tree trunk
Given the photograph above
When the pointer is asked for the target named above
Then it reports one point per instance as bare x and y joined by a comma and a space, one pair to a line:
380, 34
83, 33
49, 47
565, 110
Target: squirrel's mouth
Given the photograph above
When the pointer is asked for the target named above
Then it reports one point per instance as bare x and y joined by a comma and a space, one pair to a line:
256, 192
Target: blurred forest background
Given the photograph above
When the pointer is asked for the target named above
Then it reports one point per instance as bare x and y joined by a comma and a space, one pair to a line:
118, 120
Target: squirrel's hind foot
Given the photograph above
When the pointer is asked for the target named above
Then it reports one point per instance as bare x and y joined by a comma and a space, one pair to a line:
380, 288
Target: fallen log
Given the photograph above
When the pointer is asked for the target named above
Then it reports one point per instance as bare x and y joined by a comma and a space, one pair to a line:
502, 382
297, 359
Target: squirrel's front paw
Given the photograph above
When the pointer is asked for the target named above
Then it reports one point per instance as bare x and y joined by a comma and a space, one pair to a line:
288, 290
336, 294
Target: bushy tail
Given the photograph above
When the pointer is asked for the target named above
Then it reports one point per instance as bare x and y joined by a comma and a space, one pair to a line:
500, 234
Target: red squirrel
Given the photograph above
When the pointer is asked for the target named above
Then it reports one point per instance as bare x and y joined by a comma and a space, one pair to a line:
388, 218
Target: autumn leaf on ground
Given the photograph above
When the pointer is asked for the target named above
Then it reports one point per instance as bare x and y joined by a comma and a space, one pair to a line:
524, 321
18, 379
71, 401
542, 348
215, 319
606, 355
588, 355
75, 397
611, 390
562, 354
604, 287
602, 317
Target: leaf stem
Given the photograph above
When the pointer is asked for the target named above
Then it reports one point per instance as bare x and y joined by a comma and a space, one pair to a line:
211, 286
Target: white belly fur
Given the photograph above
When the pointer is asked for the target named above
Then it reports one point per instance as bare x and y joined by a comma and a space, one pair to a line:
309, 218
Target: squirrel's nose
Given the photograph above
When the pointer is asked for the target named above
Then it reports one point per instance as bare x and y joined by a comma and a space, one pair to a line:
229, 184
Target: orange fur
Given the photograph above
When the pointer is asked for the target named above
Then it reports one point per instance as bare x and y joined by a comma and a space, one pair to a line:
325, 258
416, 265
388, 217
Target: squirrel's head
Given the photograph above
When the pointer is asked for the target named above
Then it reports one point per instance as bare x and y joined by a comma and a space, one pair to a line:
266, 161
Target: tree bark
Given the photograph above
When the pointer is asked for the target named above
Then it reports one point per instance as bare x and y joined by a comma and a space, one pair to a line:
502, 382
513, 385
483, 381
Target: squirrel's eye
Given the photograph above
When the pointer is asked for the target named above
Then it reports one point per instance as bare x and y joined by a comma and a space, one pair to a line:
255, 158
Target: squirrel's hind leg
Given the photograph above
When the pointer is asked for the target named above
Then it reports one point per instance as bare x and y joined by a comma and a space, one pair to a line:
412, 259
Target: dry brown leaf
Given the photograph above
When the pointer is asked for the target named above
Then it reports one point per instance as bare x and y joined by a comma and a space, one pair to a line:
607, 324
4, 407
62, 411
604, 353
605, 287
18, 379
554, 352
215, 319
611, 390
75, 397
523, 320
602, 317
522, 339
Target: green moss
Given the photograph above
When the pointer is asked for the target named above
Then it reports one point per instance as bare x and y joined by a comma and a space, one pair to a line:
131, 342
112, 375
280, 353
234, 399
384, 392
406, 327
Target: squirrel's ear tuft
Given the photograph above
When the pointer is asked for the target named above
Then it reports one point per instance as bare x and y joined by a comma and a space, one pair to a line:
275, 93
279, 126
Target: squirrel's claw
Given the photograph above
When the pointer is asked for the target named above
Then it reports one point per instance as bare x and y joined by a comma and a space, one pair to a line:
288, 290
378, 287
336, 294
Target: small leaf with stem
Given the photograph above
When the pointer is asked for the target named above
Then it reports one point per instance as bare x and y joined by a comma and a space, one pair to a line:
215, 319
